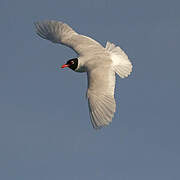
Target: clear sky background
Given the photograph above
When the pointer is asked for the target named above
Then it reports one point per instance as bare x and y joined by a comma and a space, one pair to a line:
45, 130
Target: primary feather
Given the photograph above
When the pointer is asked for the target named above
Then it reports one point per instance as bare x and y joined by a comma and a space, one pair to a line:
58, 32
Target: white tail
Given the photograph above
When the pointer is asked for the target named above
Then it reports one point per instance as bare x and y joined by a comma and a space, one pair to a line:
121, 64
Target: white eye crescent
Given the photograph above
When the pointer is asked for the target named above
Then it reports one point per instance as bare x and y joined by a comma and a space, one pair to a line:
72, 62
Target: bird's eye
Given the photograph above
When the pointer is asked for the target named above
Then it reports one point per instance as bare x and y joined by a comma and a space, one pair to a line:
72, 62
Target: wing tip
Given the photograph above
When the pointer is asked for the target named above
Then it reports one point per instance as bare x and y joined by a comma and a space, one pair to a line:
98, 127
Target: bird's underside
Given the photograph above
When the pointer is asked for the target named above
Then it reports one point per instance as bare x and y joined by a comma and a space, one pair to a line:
101, 67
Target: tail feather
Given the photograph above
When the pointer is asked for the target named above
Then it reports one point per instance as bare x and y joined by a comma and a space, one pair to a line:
121, 64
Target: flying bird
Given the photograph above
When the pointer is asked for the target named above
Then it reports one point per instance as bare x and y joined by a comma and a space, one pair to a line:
100, 63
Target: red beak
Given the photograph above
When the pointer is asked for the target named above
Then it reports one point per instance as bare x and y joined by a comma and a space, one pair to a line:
65, 65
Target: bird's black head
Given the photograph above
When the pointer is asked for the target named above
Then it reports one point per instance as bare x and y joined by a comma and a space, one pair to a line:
72, 64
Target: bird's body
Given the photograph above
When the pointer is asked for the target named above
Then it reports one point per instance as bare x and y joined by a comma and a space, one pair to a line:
100, 63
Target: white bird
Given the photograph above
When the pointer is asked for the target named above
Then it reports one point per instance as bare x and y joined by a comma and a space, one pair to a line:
100, 63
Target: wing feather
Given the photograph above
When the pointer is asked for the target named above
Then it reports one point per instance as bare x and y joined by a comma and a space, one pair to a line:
59, 32
100, 96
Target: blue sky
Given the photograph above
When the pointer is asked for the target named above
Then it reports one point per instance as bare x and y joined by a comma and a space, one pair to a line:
45, 130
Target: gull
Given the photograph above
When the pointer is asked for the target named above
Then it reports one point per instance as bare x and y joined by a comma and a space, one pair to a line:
100, 63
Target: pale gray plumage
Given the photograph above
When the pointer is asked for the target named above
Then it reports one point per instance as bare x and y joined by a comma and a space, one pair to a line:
100, 63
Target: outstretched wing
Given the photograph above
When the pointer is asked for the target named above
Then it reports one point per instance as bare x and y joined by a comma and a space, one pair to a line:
121, 64
100, 94
59, 32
